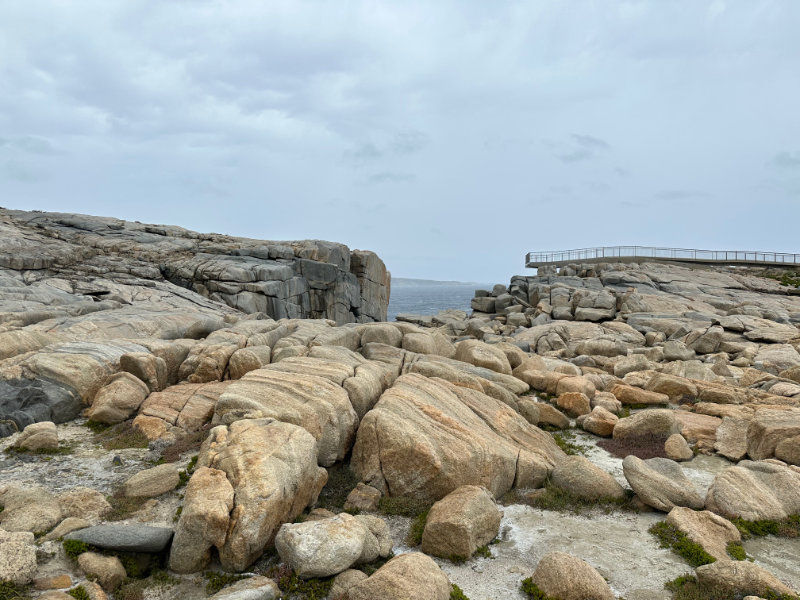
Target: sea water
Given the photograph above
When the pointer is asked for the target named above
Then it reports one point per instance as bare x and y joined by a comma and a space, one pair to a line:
431, 298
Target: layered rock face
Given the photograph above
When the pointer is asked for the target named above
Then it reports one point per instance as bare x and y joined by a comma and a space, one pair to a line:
56, 264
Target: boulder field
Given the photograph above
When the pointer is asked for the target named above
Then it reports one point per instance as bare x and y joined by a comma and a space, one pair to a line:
188, 409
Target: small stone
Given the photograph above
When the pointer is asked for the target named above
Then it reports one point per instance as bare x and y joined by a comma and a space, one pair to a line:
56, 582
574, 404
252, 588
152, 482
66, 526
677, 448
108, 570
362, 497
568, 577
38, 436
17, 557
344, 581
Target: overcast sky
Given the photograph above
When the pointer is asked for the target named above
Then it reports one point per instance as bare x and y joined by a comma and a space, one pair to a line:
449, 137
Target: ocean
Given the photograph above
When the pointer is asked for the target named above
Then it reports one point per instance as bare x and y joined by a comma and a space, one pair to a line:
423, 297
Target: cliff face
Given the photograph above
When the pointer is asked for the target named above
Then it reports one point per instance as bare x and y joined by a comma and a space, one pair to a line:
57, 264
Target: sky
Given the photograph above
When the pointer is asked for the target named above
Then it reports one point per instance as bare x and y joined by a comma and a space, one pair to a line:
450, 137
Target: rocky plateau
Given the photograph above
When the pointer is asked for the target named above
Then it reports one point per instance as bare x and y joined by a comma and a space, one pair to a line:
188, 415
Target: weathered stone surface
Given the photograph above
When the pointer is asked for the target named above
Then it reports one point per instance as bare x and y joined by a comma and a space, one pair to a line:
251, 588
188, 406
204, 520
66, 526
582, 385
788, 450
319, 406
484, 355
32, 509
647, 423
732, 438
107, 570
698, 428
411, 575
344, 581
741, 577
427, 437
363, 497
677, 449
754, 491
574, 404
271, 487
118, 399
703, 527
632, 395
579, 476
326, 547
768, 428
244, 360
17, 557
152, 482
149, 368
678, 389
660, 483
83, 502
550, 415
567, 577
55, 582
133, 537
600, 422
462, 521
38, 436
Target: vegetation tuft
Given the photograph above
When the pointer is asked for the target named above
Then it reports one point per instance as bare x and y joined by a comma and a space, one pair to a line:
59, 451
118, 437
134, 589
686, 587
484, 552
553, 497
566, 441
12, 591
74, 548
294, 587
736, 551
79, 593
121, 506
643, 446
402, 506
216, 581
456, 593
341, 481
789, 528
671, 537
787, 279
414, 537
531, 590
190, 442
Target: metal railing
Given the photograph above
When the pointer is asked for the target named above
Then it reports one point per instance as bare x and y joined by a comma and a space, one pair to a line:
534, 259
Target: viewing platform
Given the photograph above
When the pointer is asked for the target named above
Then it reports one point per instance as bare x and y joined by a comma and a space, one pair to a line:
647, 253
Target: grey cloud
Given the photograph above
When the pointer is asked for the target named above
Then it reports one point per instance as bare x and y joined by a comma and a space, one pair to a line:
587, 141
580, 147
409, 142
29, 144
786, 159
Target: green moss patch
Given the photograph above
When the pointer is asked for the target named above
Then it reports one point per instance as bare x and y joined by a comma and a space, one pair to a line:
308, 589
134, 589
566, 441
74, 548
118, 437
79, 593
531, 590
456, 593
12, 591
736, 551
414, 537
671, 537
789, 527
216, 581
341, 481
686, 587
553, 497
402, 506
59, 451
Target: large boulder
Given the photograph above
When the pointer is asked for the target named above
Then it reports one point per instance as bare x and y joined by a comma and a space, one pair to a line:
660, 483
189, 406
566, 577
755, 491
272, 486
677, 448
574, 404
149, 368
788, 450
459, 523
312, 402
579, 476
731, 439
204, 520
705, 528
125, 537
741, 578
627, 394
768, 428
426, 437
411, 575
325, 547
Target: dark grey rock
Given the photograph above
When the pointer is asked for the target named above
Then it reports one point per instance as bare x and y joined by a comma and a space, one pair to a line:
125, 538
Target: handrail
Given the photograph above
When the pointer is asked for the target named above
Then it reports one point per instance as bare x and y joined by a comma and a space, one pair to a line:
599, 254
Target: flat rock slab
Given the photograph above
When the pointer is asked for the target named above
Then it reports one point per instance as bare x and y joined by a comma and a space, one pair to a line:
125, 538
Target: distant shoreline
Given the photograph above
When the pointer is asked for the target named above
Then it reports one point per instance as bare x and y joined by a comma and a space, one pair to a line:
409, 282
